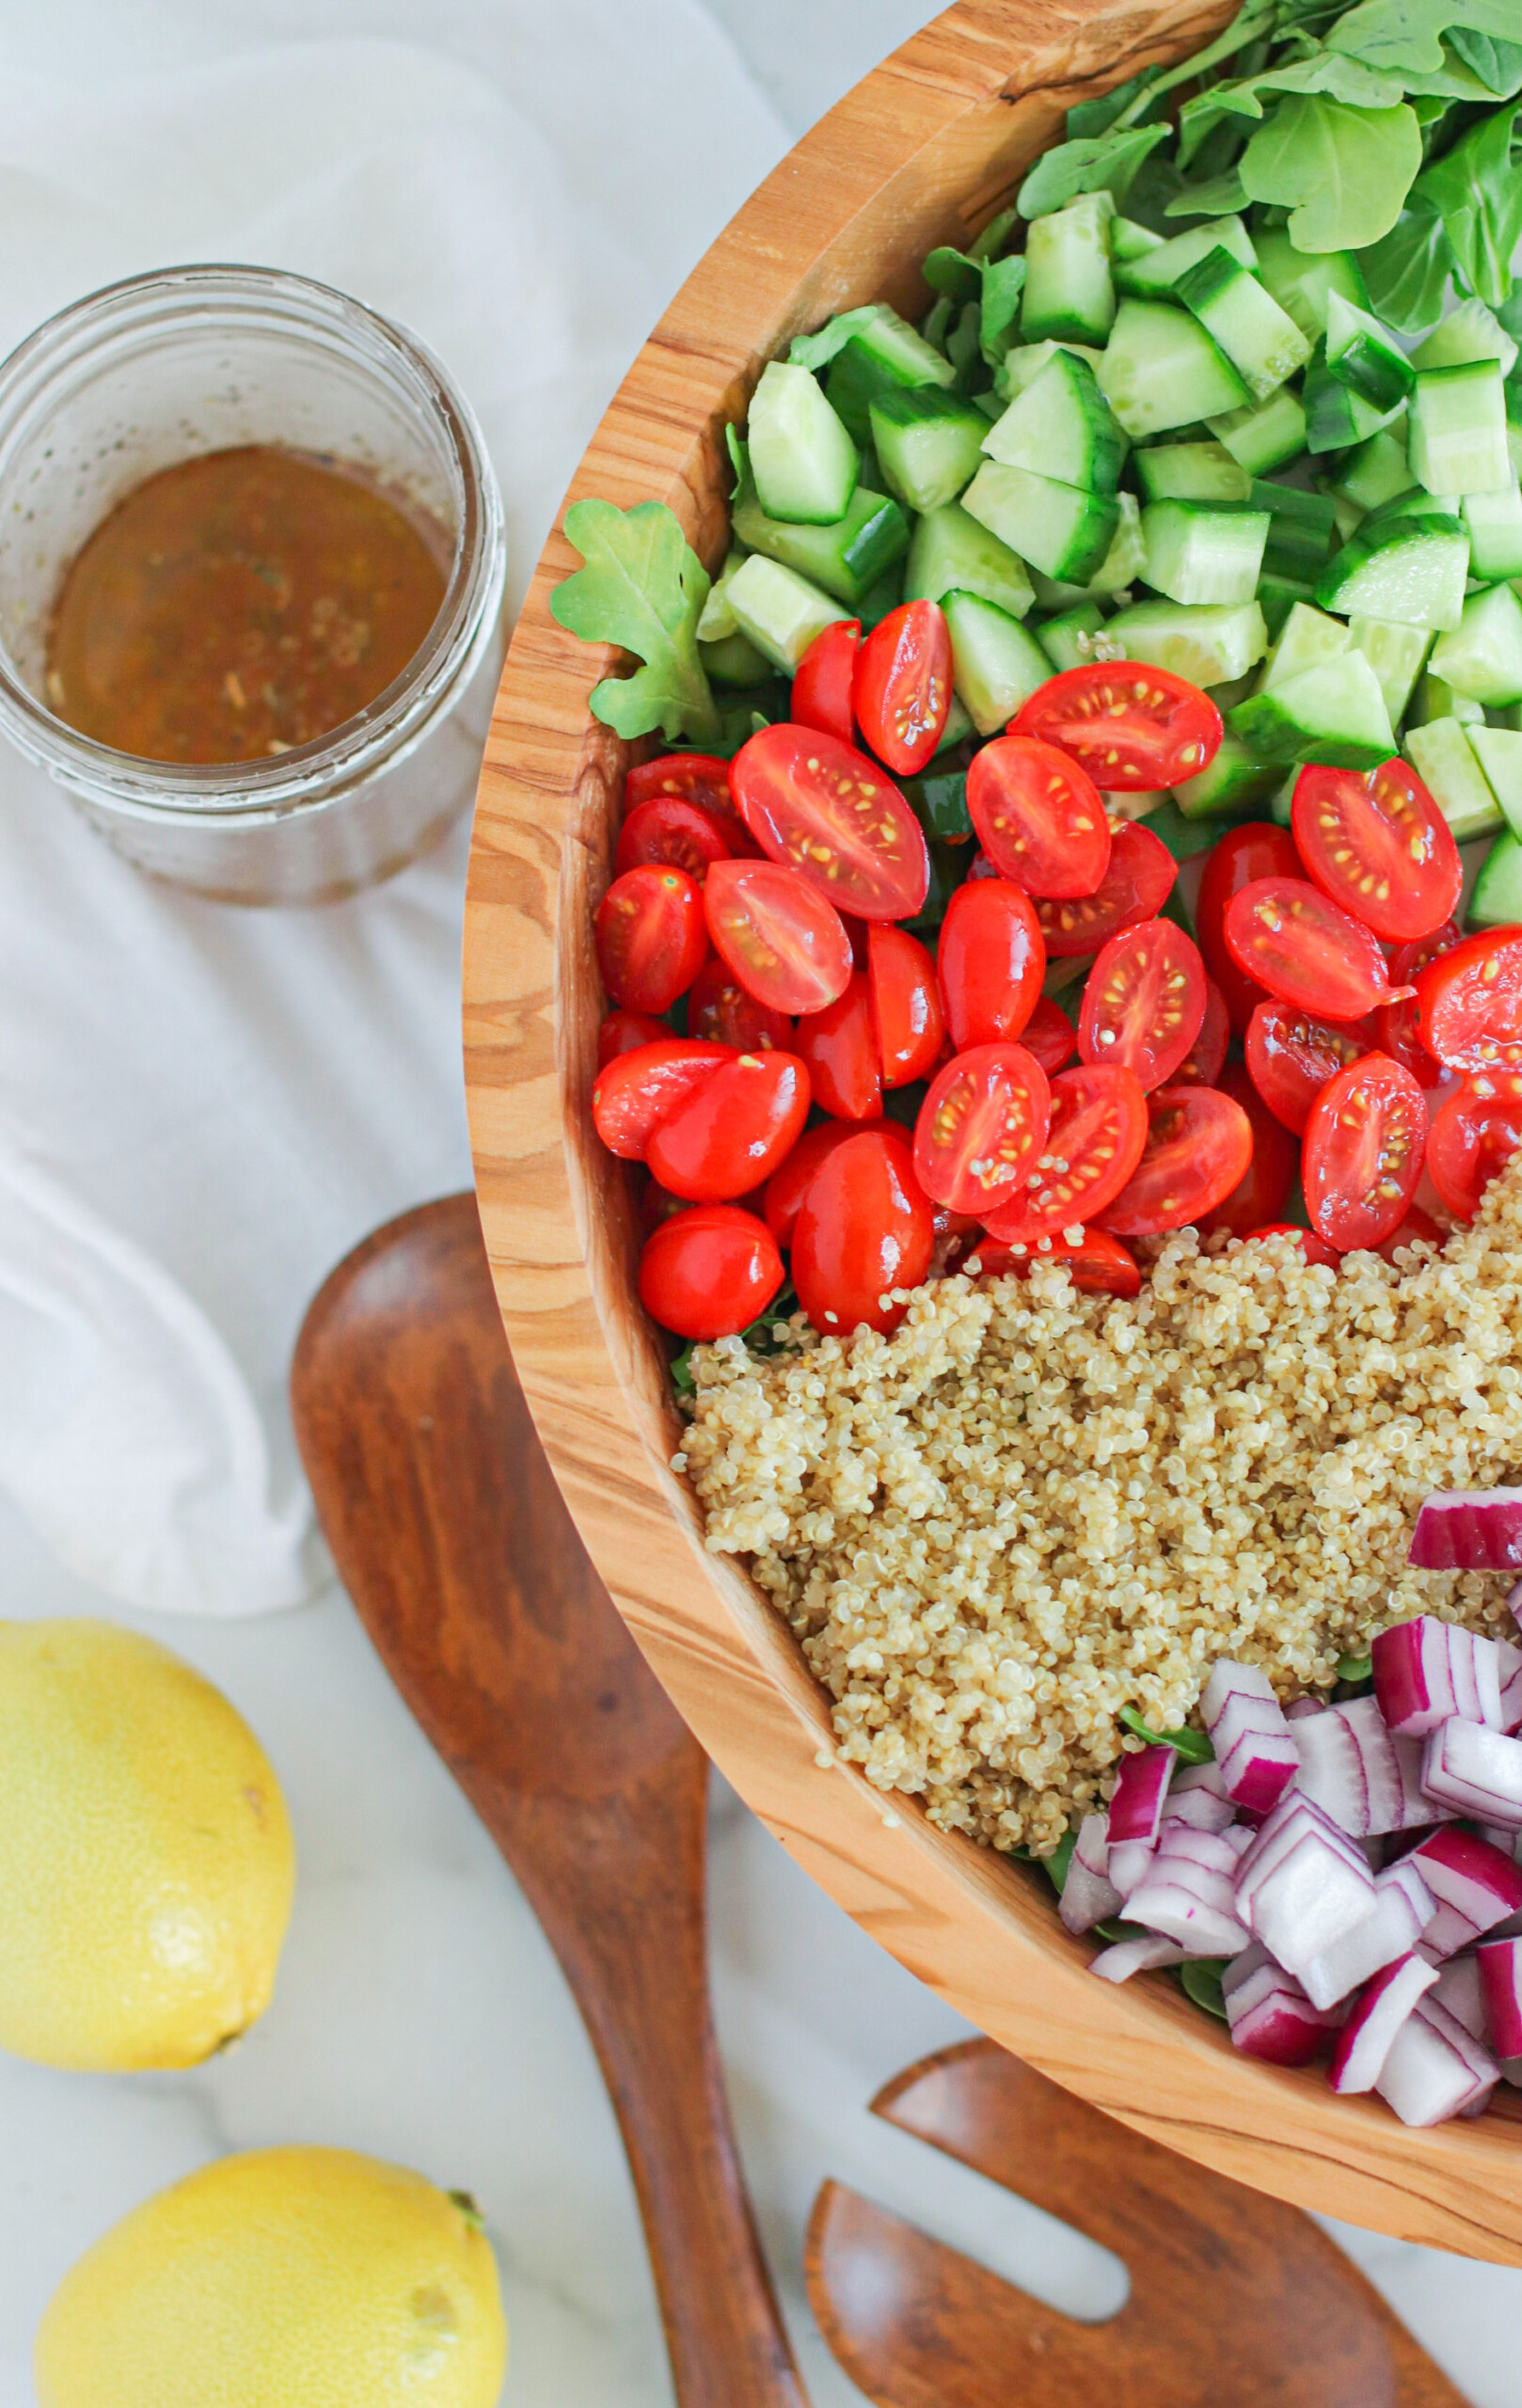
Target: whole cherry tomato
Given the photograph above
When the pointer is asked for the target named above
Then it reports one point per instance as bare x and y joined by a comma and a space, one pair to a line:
1136, 887
667, 829
786, 1187
1097, 1262
981, 1127
826, 812
1256, 849
822, 681
901, 689
839, 1045
717, 1006
1376, 843
990, 961
651, 938
1098, 1128
731, 1132
777, 935
1264, 1188
1039, 817
1306, 949
1134, 729
1469, 1003
864, 1228
624, 1032
1474, 1135
1144, 1002
1365, 1143
1199, 1142
638, 1088
909, 1020
709, 1272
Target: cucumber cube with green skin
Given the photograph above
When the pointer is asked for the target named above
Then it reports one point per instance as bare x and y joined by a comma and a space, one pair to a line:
1152, 274
1061, 426
1206, 643
1365, 355
715, 619
1306, 639
1481, 657
1432, 699
949, 550
803, 461
1302, 283
1378, 471
1442, 757
1059, 529
1277, 596
887, 354
1122, 563
1068, 641
1346, 518
733, 660
995, 665
957, 726
1499, 751
846, 558
1334, 713
1495, 524
1336, 417
1300, 534
1190, 473
1262, 343
1161, 370
1025, 362
1470, 332
780, 611
1497, 901
1263, 435
1458, 429
1198, 552
1234, 780
927, 442
1396, 655
1409, 569
1130, 240
1068, 291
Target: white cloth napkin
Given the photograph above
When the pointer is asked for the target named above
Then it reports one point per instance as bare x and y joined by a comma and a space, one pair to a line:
200, 1108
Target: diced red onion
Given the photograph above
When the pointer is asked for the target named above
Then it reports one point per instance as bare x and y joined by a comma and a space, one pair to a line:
1129, 1957
1499, 1963
1249, 1735
1413, 1675
1088, 1894
1136, 1814
1403, 1907
1474, 1771
1364, 1778
1188, 1895
1290, 1821
1475, 1886
1304, 1899
1191, 1777
1459, 1989
1200, 1809
1270, 2016
1511, 1676
1435, 2069
1476, 1530
1304, 1707
1370, 2033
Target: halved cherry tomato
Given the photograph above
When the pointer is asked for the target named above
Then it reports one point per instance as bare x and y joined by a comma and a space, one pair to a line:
1097, 1264
864, 1228
1201, 1065
701, 778
786, 1187
990, 961
1363, 1153
1136, 887
909, 1020
731, 1132
1473, 1137
1292, 1054
709, 1272
981, 1127
651, 937
840, 1047
1315, 1249
1306, 949
1264, 1188
624, 1032
666, 828
1256, 849
1198, 1147
1397, 1027
1134, 729
639, 1088
777, 934
1417, 1228
1039, 818
822, 681
901, 691
1095, 1141
1376, 843
824, 809
1049, 1035
1469, 1003
717, 1006
1144, 1002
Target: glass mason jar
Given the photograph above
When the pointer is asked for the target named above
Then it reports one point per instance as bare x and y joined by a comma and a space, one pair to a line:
195, 360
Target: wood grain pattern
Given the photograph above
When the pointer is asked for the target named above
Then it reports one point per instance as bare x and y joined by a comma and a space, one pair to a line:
455, 1545
925, 151
1234, 2296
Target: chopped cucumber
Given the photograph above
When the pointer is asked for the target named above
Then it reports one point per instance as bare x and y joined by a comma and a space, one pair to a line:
927, 442
1277, 596
780, 611
1068, 641
1481, 657
1365, 355
1441, 755
950, 550
880, 599
1200, 551
1494, 521
1281, 809
988, 406
995, 665
1190, 473
1497, 901
1235, 779
1410, 569
1161, 369
1468, 332
1334, 713
1395, 653
1130, 240
1061, 426
1499, 751
1263, 435
1432, 699
1300, 537
1306, 639
715, 619
886, 352
1262, 343
733, 660
1152, 275
1068, 290
1377, 472
1458, 429
957, 727
1122, 563
1206, 643
1346, 518
1059, 529
1025, 362
803, 462
846, 559
1336, 417
1302, 283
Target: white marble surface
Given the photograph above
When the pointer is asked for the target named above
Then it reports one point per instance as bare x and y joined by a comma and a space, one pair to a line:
420, 2015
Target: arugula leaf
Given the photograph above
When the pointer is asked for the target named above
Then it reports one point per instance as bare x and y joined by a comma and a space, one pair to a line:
1192, 1746
643, 588
1223, 197
1407, 35
995, 285
1497, 64
1200, 1980
1056, 1866
1325, 71
818, 350
1095, 162
1097, 116
1478, 193
1407, 270
1341, 172
737, 461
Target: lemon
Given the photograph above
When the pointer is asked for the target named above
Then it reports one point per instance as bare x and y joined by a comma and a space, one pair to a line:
146, 1865
287, 2278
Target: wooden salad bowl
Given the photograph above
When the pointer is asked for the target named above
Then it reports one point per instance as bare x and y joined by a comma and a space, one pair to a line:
925, 150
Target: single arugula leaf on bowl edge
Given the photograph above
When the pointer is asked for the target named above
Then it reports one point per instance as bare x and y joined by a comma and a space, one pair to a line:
643, 588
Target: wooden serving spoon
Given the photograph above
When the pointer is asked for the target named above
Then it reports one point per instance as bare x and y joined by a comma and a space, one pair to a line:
1235, 2298
451, 1538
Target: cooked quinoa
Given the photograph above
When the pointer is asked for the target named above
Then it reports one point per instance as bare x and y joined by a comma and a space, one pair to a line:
1028, 1508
